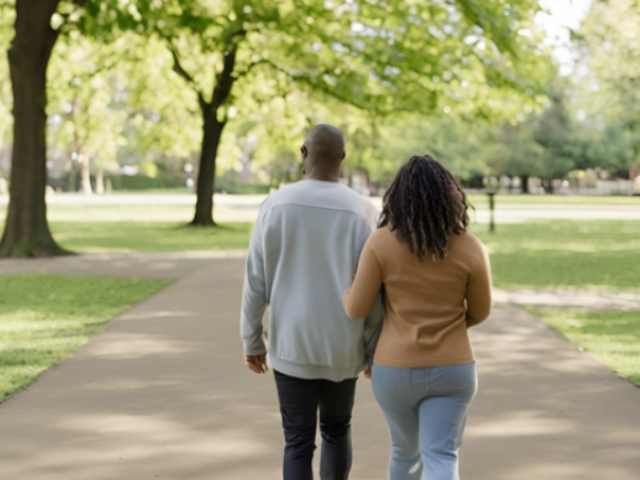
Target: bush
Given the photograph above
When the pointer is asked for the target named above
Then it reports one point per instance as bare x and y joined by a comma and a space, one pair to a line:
229, 183
143, 182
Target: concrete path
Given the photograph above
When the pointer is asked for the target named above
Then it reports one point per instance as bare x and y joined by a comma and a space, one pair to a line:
564, 297
163, 393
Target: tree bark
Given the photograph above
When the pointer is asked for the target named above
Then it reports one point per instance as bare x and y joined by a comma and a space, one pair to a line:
73, 175
26, 231
211, 135
524, 184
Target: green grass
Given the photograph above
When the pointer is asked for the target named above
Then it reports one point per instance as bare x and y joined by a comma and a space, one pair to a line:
612, 337
44, 318
149, 237
565, 253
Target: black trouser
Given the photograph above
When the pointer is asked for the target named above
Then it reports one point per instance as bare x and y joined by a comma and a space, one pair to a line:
299, 403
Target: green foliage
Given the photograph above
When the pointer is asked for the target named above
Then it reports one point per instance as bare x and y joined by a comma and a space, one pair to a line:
554, 132
515, 151
457, 142
612, 337
86, 117
6, 101
417, 56
128, 82
565, 253
608, 86
143, 182
44, 318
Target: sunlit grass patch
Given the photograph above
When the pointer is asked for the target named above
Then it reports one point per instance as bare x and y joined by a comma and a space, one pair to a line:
44, 318
149, 237
603, 253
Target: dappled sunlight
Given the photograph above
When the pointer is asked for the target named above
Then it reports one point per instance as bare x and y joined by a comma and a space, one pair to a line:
147, 432
519, 424
124, 446
130, 347
137, 315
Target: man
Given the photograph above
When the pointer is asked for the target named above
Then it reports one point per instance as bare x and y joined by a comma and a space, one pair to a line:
303, 254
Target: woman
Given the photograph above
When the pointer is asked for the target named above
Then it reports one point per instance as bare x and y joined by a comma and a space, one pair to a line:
437, 283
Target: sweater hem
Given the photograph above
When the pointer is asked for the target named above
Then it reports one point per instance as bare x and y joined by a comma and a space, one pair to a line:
313, 372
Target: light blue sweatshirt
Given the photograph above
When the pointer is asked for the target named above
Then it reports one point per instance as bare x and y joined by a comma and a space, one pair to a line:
303, 255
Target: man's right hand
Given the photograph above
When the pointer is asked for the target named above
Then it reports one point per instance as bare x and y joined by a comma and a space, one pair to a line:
257, 363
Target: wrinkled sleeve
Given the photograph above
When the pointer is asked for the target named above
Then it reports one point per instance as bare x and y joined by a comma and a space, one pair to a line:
361, 297
254, 294
373, 329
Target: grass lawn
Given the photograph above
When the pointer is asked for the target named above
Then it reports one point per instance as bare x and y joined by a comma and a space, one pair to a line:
44, 318
565, 253
149, 237
612, 337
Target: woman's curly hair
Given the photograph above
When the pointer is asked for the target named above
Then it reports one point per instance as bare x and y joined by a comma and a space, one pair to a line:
425, 205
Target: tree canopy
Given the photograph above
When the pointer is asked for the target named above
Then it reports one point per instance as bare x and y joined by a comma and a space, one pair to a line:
189, 90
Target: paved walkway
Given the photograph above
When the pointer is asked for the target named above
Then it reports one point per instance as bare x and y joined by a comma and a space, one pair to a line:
163, 393
563, 297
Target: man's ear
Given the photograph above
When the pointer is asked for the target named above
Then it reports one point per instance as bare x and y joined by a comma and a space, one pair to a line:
304, 151
344, 155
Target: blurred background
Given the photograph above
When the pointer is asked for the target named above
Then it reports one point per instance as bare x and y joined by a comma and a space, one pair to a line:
520, 97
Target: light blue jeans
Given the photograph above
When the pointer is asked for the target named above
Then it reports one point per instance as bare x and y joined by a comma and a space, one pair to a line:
426, 409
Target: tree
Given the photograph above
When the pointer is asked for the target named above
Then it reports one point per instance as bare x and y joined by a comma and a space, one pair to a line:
610, 84
425, 55
516, 153
26, 231
38, 26
87, 116
376, 56
554, 132
162, 124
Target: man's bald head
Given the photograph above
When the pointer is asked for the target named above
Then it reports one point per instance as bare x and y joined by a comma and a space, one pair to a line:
324, 145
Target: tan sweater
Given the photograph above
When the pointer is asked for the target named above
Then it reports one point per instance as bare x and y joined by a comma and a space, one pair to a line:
428, 305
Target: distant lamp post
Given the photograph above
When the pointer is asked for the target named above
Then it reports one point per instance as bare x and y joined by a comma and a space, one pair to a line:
492, 205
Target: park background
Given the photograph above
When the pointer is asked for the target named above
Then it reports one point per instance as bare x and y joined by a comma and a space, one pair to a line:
169, 121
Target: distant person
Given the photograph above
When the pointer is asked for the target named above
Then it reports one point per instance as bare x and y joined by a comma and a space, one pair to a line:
437, 284
303, 254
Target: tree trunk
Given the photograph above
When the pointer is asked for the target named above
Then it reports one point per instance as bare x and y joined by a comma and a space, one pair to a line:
211, 135
85, 174
524, 184
73, 174
99, 181
26, 231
